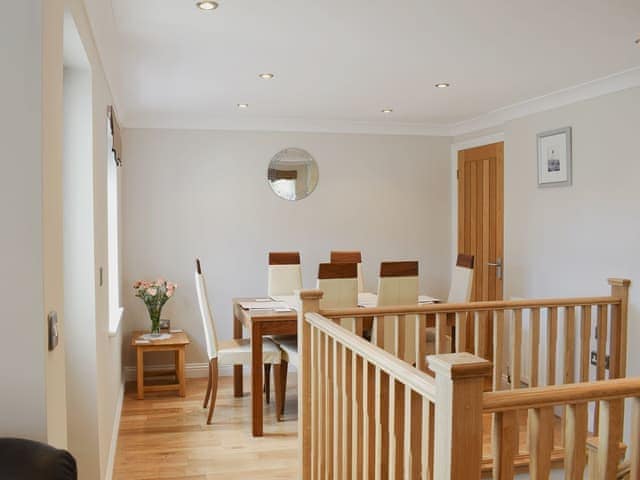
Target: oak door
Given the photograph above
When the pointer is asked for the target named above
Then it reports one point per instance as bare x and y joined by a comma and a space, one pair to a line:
480, 216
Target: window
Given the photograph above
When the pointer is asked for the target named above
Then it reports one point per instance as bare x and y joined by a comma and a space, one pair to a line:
113, 250
285, 188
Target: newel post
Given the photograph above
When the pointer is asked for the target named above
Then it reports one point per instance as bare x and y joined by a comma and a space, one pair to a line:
309, 302
460, 379
618, 347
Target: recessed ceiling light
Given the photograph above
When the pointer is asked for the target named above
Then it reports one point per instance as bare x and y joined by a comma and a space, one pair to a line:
266, 76
387, 110
207, 5
243, 105
443, 85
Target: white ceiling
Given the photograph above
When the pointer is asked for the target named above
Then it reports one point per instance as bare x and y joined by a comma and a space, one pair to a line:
339, 62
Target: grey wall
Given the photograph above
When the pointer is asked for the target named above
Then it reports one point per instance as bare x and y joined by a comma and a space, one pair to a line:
204, 193
566, 241
79, 279
23, 354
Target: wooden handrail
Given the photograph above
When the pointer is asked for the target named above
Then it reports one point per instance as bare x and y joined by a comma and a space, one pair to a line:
468, 307
418, 381
575, 393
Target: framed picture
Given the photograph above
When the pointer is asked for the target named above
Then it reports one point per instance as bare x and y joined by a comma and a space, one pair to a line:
554, 158
165, 324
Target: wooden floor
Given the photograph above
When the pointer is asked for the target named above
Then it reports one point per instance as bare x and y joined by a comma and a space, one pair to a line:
166, 437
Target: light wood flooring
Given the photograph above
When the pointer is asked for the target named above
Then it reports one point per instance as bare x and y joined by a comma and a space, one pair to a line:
166, 437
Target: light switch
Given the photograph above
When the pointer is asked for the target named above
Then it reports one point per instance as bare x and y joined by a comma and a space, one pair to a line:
52, 322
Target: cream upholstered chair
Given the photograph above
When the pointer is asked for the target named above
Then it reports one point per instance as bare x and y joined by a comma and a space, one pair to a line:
285, 274
230, 352
350, 257
285, 277
459, 291
461, 279
398, 285
339, 285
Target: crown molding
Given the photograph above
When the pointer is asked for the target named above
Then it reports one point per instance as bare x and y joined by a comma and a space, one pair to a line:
584, 91
281, 124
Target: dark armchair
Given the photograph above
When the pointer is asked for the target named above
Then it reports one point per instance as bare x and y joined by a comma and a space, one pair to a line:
28, 460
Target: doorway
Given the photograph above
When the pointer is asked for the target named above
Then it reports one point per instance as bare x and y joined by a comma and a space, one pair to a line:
481, 217
480, 176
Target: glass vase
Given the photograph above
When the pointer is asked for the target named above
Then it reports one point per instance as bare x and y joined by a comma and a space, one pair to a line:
154, 316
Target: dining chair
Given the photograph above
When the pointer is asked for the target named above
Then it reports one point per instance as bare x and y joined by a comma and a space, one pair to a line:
339, 285
339, 256
285, 274
461, 279
229, 352
398, 285
459, 292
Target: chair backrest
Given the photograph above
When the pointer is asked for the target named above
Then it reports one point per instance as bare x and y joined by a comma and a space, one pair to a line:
208, 323
350, 257
285, 274
398, 285
461, 280
338, 282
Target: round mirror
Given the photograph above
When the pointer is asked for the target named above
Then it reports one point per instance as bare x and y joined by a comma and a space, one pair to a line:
293, 174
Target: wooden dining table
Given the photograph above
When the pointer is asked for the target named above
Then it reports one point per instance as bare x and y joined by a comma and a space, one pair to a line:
261, 322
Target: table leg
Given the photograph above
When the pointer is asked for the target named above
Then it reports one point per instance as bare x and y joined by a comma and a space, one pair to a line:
256, 378
237, 369
180, 372
140, 372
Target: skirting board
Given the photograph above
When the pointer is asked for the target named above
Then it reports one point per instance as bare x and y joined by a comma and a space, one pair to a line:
114, 435
191, 370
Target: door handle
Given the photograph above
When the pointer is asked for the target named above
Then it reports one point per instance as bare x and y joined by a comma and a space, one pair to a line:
498, 266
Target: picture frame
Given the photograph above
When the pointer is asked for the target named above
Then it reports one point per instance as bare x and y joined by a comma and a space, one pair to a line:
554, 158
165, 324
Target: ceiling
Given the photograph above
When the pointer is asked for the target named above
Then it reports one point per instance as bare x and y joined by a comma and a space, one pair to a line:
340, 62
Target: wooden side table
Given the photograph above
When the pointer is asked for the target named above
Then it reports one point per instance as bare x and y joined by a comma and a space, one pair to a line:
177, 344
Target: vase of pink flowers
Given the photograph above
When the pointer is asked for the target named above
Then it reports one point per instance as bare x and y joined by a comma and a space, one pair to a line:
154, 295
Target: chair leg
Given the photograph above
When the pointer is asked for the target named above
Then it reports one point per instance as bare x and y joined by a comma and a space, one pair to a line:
282, 385
267, 381
277, 371
208, 394
213, 368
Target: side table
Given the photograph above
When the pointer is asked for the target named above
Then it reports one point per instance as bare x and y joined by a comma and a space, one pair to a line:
177, 344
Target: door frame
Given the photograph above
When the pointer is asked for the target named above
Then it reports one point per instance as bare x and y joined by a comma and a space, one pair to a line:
455, 148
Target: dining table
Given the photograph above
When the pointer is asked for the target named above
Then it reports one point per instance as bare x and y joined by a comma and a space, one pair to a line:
261, 316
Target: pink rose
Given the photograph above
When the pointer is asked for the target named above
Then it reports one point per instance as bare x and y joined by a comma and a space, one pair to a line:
152, 291
169, 293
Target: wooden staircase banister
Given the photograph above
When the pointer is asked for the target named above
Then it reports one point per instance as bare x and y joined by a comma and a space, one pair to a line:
573, 393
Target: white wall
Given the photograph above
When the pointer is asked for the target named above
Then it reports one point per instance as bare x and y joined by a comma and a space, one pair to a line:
567, 241
204, 193
53, 281
31, 247
79, 279
108, 346
23, 354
